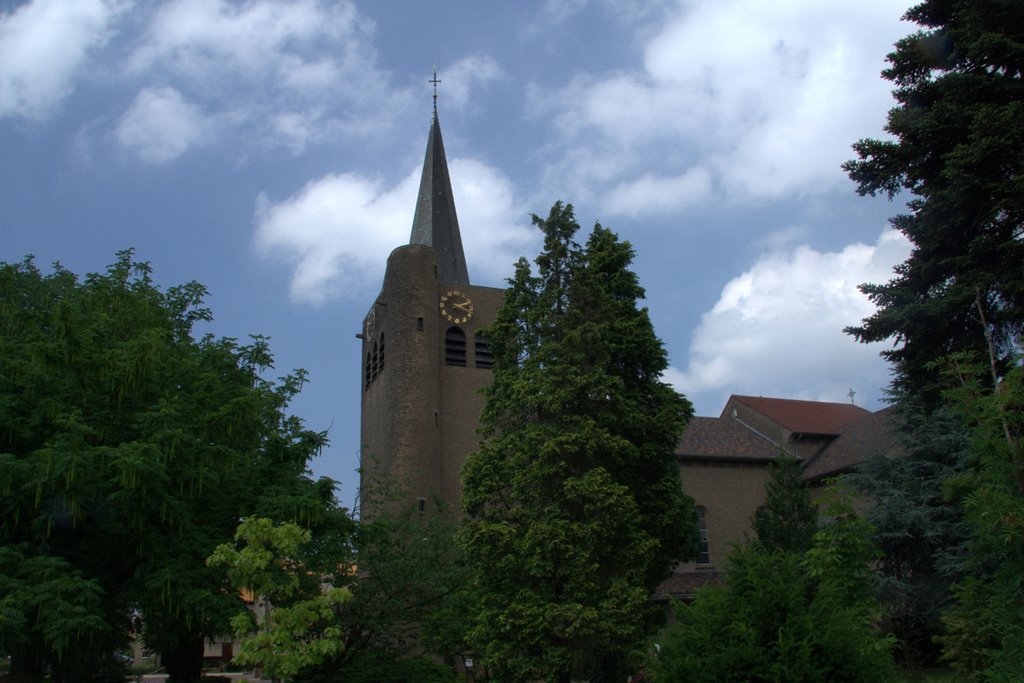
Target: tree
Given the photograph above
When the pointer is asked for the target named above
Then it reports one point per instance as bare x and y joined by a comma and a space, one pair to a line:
358, 617
293, 630
919, 530
574, 501
984, 638
128, 451
784, 616
959, 150
787, 520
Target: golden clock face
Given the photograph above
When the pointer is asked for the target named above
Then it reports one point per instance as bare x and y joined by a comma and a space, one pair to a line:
456, 307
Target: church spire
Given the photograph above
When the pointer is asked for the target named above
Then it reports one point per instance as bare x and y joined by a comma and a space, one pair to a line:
435, 223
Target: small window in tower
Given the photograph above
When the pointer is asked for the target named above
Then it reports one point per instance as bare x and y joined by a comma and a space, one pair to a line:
373, 375
455, 347
703, 557
484, 358
368, 366
380, 360
419, 324
421, 504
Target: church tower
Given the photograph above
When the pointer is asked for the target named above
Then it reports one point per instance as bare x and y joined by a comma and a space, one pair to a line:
424, 360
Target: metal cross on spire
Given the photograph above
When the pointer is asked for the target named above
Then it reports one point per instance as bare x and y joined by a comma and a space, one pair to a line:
851, 395
435, 80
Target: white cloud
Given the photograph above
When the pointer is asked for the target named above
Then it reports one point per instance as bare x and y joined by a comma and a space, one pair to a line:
557, 11
160, 125
339, 229
766, 96
255, 40
495, 226
777, 329
782, 237
650, 194
43, 45
461, 77
295, 130
552, 13
284, 74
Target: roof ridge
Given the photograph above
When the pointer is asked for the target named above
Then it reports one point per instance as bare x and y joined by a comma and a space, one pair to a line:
800, 400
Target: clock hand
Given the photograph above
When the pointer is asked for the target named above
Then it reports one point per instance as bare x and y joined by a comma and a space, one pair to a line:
463, 306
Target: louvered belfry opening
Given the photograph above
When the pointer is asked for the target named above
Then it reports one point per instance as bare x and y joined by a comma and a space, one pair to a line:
455, 347
482, 352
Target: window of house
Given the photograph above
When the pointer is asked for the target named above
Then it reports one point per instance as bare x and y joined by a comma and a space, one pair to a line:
702, 526
482, 349
455, 347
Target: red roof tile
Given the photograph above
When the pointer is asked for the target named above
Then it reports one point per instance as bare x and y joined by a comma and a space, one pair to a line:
806, 417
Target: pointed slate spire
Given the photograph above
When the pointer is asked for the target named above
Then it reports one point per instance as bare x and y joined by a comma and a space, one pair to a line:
435, 223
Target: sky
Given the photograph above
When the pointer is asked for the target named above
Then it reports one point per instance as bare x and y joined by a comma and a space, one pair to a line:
271, 150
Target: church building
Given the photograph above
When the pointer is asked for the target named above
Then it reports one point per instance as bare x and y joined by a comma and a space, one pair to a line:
425, 361
723, 465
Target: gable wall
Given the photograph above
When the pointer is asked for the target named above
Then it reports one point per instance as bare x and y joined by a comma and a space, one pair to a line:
731, 492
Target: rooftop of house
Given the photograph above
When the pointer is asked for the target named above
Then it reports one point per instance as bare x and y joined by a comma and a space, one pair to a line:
851, 434
713, 438
805, 417
872, 434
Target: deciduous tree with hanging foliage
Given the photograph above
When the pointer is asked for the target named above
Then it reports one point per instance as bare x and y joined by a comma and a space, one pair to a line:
128, 451
574, 501
958, 149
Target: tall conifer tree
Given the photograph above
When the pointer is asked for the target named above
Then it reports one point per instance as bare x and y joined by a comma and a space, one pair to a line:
958, 148
575, 505
920, 531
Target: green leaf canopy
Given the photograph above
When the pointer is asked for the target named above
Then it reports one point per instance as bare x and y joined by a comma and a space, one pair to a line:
128, 451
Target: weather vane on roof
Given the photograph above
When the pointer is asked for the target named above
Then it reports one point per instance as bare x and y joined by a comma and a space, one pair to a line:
852, 394
435, 80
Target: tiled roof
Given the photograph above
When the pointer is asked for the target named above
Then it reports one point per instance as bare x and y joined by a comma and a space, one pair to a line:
872, 434
712, 437
806, 417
